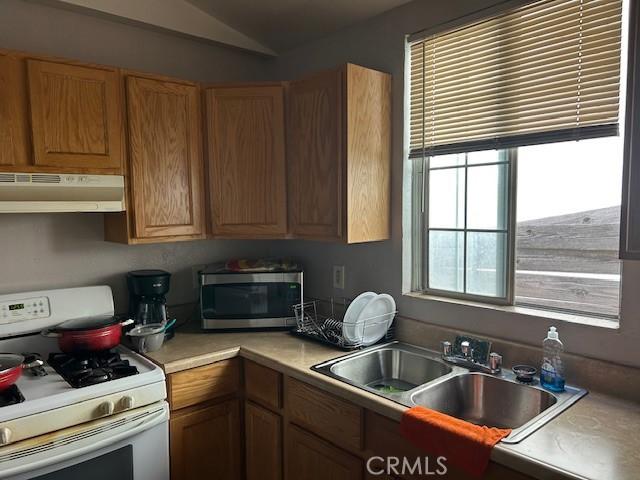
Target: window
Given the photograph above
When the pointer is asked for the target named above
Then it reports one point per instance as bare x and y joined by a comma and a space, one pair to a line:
517, 159
568, 226
467, 233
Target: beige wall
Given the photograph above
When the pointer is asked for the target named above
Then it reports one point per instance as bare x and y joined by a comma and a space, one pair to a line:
62, 250
379, 43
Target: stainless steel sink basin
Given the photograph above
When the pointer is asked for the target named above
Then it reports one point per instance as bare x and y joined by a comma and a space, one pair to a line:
485, 400
413, 376
388, 370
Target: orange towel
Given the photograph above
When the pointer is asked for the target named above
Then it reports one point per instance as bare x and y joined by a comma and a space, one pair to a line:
463, 444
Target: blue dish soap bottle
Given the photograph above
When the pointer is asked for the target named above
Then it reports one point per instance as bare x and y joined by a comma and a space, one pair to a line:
552, 371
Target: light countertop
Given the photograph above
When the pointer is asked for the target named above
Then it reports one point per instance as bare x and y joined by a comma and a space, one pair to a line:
598, 438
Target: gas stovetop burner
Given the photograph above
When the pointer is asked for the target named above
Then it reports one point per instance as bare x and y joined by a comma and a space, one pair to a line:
84, 369
11, 396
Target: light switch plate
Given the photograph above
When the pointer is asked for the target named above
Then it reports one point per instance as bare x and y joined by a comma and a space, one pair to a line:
338, 276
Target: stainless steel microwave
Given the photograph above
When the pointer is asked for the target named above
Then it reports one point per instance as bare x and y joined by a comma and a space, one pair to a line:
249, 300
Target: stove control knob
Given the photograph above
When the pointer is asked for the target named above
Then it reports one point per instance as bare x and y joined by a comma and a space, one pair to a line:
128, 402
107, 408
5, 436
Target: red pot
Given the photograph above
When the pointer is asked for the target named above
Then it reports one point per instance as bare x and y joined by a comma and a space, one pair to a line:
88, 334
11, 367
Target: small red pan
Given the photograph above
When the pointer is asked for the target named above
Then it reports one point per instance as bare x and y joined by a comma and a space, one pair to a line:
11, 367
88, 334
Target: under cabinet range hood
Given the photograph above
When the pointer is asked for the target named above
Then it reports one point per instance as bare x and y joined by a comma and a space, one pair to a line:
48, 192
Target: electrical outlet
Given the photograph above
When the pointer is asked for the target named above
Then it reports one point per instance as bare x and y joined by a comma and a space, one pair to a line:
338, 276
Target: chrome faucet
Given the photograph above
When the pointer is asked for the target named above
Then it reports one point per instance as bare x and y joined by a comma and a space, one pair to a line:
467, 351
478, 359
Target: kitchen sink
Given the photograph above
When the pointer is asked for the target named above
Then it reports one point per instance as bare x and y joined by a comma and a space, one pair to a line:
412, 376
485, 400
391, 370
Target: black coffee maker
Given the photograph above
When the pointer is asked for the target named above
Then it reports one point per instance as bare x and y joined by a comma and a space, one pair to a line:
147, 290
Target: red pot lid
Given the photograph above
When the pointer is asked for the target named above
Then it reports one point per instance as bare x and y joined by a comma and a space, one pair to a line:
9, 361
87, 323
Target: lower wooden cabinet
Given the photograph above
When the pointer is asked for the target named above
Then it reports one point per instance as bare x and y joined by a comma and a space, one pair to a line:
303, 440
205, 442
309, 458
263, 443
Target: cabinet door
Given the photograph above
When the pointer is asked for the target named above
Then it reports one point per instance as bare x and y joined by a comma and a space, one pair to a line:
315, 156
247, 171
205, 443
165, 157
309, 458
75, 117
14, 136
263, 443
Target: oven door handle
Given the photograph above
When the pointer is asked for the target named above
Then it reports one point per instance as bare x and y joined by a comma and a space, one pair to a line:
29, 455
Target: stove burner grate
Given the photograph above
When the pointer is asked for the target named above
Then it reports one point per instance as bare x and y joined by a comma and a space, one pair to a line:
84, 369
11, 396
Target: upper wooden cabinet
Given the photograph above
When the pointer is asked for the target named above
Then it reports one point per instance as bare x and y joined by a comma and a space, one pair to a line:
314, 150
76, 117
339, 155
14, 126
247, 169
165, 167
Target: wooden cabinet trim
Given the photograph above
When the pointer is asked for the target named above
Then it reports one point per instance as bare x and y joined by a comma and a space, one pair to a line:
368, 154
197, 385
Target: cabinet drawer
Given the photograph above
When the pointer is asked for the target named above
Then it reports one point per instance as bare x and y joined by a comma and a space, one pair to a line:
263, 385
329, 417
200, 384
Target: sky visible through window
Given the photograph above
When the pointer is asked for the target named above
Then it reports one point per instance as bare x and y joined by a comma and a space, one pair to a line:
569, 177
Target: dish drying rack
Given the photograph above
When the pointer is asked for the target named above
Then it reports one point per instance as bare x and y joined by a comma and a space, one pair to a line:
322, 320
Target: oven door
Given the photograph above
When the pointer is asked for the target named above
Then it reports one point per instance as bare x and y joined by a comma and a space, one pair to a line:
250, 300
128, 446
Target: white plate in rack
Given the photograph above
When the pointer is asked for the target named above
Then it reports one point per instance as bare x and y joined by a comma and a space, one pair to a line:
349, 327
375, 319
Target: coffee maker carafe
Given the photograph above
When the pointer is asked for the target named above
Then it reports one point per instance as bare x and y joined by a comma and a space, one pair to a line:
147, 290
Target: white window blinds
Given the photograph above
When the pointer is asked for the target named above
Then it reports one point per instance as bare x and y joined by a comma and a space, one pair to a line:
546, 72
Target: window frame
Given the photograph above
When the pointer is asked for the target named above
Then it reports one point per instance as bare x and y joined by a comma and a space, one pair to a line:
420, 231
420, 242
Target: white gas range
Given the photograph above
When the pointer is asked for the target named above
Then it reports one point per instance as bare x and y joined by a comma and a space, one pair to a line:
49, 430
